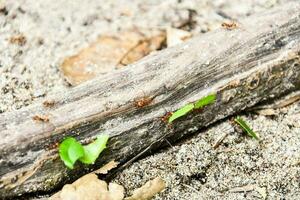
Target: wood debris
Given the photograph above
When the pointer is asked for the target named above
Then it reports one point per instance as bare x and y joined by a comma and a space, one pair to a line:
272, 108
148, 190
107, 167
246, 188
89, 187
220, 140
288, 100
267, 112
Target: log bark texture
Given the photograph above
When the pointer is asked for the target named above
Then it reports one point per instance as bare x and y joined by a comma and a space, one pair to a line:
257, 61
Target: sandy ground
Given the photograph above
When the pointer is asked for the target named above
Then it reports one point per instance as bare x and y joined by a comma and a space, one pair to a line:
36, 35
240, 168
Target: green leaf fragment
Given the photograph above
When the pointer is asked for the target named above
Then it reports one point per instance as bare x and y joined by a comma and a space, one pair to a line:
70, 151
181, 112
246, 127
93, 150
209, 99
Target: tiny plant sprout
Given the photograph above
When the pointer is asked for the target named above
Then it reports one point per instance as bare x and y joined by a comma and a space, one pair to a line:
70, 150
181, 112
246, 127
209, 99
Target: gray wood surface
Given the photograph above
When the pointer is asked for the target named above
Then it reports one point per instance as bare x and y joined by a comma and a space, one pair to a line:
257, 61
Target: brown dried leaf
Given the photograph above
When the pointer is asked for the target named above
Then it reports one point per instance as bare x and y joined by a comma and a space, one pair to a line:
148, 190
143, 48
107, 167
108, 52
89, 187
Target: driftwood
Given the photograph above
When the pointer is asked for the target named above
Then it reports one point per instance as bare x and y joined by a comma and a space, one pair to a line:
256, 61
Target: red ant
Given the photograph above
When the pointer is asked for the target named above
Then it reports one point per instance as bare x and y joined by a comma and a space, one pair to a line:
53, 146
41, 118
143, 102
229, 26
49, 103
166, 117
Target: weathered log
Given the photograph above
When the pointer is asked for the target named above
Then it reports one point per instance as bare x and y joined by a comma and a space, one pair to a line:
257, 61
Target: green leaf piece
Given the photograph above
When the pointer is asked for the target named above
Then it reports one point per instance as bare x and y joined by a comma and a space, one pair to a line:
93, 150
209, 99
246, 128
70, 151
181, 112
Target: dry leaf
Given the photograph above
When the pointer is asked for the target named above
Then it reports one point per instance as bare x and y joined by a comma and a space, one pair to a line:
176, 36
148, 190
89, 187
107, 167
143, 48
108, 52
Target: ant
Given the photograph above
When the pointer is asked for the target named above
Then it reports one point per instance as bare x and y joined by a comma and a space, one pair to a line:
229, 26
18, 39
49, 103
41, 118
166, 117
143, 102
53, 146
